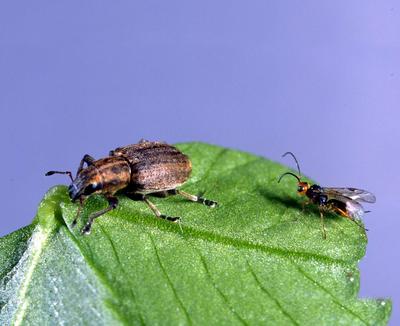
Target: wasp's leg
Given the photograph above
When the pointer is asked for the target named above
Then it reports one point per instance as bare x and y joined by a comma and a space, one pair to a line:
353, 220
322, 223
194, 198
304, 204
86, 159
157, 212
343, 213
112, 204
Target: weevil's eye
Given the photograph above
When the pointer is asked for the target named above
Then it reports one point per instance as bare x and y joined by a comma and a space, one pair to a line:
91, 188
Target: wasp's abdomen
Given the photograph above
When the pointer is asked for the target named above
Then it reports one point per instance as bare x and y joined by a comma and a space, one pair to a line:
349, 208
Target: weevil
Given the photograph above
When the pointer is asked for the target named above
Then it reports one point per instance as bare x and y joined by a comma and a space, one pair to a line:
343, 201
138, 170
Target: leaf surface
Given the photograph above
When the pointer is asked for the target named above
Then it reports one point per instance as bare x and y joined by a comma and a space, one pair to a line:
255, 259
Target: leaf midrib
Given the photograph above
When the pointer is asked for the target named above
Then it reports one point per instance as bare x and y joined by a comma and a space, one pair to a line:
196, 234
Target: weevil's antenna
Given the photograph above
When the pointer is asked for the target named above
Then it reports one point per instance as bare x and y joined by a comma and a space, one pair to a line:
289, 173
60, 172
295, 159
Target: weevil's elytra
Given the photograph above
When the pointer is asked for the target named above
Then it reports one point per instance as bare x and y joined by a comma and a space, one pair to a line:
136, 170
155, 166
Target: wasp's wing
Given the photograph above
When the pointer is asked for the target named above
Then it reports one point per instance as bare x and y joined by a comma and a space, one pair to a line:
354, 209
346, 206
350, 193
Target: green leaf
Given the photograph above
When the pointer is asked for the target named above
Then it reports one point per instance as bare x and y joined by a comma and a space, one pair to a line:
255, 259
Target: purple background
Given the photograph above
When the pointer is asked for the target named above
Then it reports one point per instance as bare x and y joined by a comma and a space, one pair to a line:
319, 79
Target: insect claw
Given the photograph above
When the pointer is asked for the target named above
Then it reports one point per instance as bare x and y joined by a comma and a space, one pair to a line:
170, 218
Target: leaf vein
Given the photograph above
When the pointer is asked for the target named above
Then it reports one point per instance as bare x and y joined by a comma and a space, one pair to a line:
264, 289
222, 295
204, 235
334, 299
169, 281
125, 274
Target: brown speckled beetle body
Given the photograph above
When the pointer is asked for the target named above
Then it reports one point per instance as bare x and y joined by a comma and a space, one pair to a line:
136, 170
155, 166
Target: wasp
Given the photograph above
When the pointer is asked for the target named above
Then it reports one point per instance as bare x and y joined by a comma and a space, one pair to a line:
342, 201
137, 170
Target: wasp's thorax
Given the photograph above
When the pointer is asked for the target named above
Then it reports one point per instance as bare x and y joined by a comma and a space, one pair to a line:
105, 176
316, 195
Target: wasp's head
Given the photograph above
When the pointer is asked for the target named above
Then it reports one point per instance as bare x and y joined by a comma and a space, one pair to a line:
302, 187
87, 182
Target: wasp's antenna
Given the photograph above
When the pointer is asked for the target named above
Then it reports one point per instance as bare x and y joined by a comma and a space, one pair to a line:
295, 159
289, 173
60, 172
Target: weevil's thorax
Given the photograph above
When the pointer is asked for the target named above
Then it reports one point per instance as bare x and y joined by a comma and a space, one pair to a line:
105, 176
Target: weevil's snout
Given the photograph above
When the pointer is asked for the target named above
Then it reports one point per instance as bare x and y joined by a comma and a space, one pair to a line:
73, 191
84, 185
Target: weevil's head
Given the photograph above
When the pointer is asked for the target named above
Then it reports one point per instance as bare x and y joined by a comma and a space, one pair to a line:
86, 183
104, 176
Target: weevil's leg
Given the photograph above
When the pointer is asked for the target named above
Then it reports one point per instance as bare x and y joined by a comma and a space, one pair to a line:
134, 196
157, 212
78, 213
86, 159
112, 204
160, 194
194, 198
322, 223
